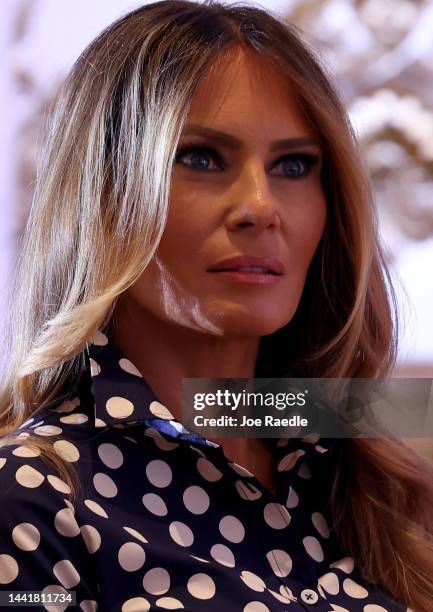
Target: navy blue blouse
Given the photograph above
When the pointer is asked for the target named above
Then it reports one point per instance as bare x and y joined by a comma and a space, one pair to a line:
166, 520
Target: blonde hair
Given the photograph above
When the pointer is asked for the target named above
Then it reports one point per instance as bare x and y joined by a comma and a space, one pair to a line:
99, 212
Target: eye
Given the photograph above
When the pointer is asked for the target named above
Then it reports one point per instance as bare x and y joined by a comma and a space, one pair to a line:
203, 158
297, 166
198, 156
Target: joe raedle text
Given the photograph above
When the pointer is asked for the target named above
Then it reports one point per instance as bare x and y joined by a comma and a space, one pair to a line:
244, 421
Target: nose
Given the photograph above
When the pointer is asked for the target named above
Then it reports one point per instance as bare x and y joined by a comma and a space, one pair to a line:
253, 205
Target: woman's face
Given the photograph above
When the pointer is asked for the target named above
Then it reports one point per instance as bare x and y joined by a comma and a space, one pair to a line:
241, 195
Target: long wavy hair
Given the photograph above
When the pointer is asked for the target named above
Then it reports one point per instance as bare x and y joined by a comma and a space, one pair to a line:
99, 212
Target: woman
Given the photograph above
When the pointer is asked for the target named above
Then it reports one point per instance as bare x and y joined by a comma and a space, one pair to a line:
188, 135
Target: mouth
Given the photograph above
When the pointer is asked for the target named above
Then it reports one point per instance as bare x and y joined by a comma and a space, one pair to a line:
247, 270
248, 275
249, 264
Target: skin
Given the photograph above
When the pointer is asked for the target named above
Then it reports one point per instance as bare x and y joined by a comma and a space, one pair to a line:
178, 320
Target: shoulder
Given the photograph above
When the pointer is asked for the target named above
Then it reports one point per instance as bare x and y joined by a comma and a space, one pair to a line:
42, 546
29, 484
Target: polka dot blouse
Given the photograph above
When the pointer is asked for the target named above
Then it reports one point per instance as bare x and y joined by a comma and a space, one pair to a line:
166, 520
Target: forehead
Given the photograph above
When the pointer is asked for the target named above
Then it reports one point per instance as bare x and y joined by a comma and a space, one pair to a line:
244, 88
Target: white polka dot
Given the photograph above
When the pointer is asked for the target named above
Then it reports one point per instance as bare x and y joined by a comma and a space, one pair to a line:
52, 591
26, 536
346, 564
156, 581
155, 504
119, 407
29, 477
68, 405
26, 451
330, 583
89, 605
48, 430
239, 469
67, 450
276, 515
289, 460
131, 556
207, 470
104, 485
159, 473
129, 367
151, 432
304, 471
160, 411
199, 559
95, 368
2, 462
313, 548
136, 604
231, 529
374, 608
110, 455
8, 569
66, 524
181, 533
320, 524
169, 603
196, 499
100, 423
256, 606
253, 581
353, 589
223, 555
99, 339
321, 449
311, 438
66, 573
91, 537
164, 445
287, 593
95, 507
292, 498
58, 484
283, 598
74, 419
201, 586
280, 562
136, 534
247, 490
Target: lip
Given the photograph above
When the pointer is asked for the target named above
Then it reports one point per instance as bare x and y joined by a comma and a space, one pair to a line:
243, 261
254, 278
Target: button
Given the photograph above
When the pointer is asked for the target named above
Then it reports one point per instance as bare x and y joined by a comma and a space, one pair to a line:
309, 596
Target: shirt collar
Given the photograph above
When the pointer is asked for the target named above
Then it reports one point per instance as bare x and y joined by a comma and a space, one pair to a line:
122, 397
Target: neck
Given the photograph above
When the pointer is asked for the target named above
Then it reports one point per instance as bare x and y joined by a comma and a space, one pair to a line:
164, 353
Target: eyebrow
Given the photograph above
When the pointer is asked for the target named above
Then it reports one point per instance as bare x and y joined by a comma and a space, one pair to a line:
234, 143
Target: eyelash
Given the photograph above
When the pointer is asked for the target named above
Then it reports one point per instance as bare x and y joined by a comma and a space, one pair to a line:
308, 159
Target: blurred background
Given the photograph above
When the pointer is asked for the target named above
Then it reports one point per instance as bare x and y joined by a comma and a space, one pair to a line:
381, 53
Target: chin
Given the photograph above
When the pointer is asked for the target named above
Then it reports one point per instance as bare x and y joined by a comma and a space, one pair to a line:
250, 325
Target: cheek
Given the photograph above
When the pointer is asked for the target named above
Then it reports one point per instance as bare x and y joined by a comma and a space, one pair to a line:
306, 224
186, 221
